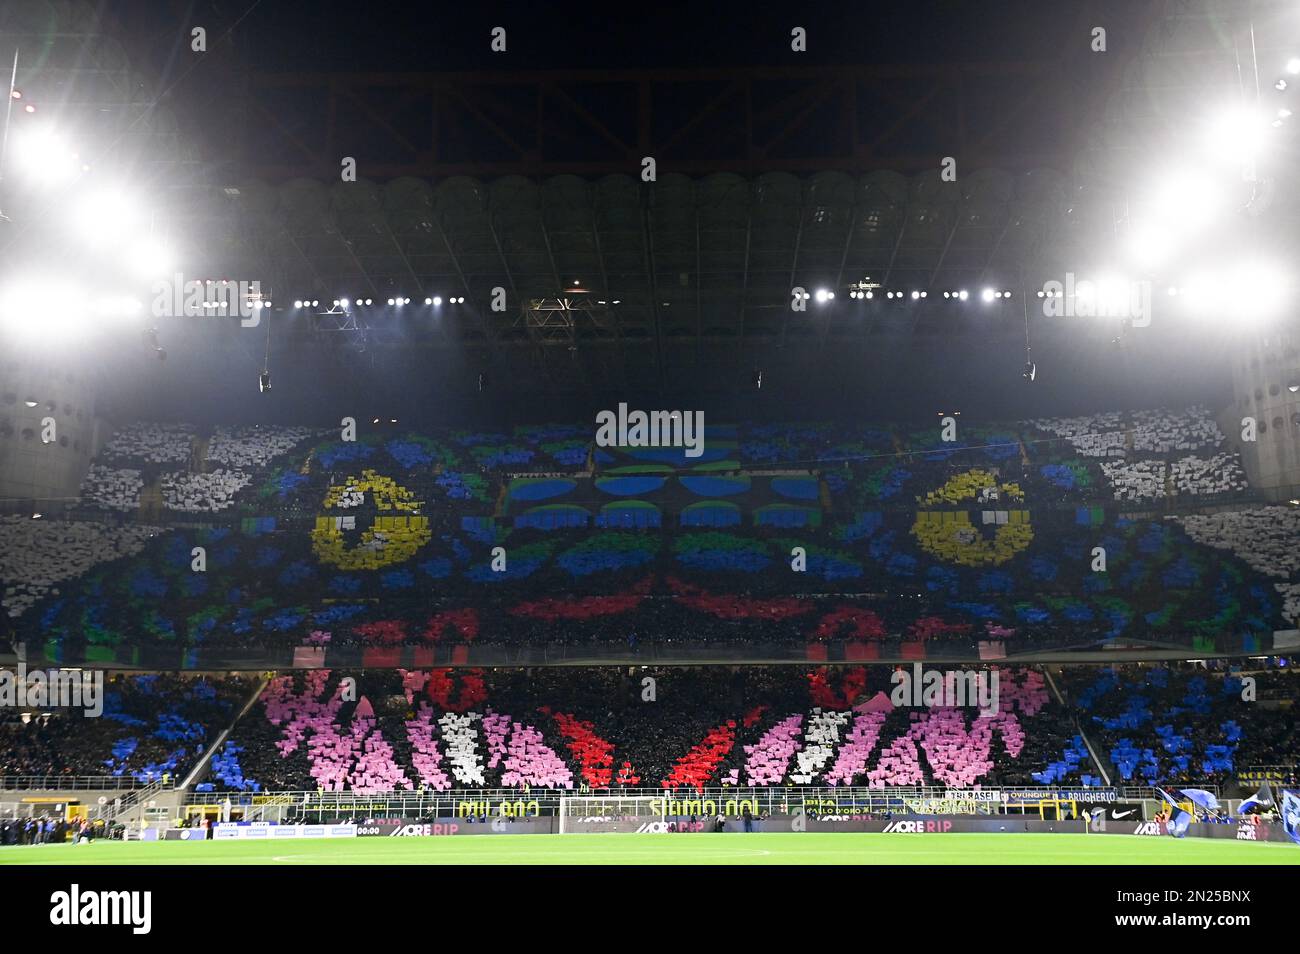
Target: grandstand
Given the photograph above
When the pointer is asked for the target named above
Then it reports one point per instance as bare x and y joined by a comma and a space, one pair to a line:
982, 548
915, 547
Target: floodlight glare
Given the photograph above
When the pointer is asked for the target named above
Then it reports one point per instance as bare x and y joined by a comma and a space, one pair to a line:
1187, 196
988, 294
1149, 246
28, 307
105, 216
150, 258
1264, 287
44, 157
1235, 134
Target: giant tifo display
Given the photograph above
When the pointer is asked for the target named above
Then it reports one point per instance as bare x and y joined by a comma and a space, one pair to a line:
196, 547
600, 730
637, 435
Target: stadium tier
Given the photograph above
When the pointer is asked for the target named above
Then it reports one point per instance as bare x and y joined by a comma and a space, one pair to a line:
611, 729
844, 434
797, 541
145, 727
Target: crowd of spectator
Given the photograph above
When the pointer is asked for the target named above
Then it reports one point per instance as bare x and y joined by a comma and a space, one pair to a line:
692, 726
651, 727
624, 727
152, 727
37, 555
1183, 723
351, 544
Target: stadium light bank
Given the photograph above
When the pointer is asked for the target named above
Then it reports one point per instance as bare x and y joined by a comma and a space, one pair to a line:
1105, 298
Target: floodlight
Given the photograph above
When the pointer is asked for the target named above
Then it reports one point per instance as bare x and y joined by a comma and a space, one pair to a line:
1235, 134
44, 157
105, 216
150, 258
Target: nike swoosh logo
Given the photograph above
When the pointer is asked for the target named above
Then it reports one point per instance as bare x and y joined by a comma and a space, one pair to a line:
1125, 814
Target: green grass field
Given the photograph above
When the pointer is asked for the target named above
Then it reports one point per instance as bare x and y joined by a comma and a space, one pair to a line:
786, 848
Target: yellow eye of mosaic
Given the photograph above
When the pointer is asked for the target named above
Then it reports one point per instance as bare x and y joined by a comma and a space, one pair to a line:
391, 538
954, 536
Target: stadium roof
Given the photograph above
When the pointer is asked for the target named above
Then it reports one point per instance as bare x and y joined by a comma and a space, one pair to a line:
768, 177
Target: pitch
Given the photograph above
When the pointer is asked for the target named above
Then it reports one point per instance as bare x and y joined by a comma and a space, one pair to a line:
784, 848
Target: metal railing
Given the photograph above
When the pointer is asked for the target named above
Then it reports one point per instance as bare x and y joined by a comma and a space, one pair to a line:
1137, 793
1024, 650
75, 783
527, 802
133, 802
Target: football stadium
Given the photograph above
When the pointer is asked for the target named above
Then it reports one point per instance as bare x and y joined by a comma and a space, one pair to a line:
585, 438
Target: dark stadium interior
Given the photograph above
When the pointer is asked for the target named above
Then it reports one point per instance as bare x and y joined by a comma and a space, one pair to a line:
963, 340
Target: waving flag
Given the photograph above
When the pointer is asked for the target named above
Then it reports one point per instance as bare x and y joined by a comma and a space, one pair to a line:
1179, 817
1262, 799
1291, 815
1201, 797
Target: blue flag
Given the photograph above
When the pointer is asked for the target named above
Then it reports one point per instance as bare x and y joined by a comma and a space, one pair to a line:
1263, 799
1179, 817
1291, 815
1203, 798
